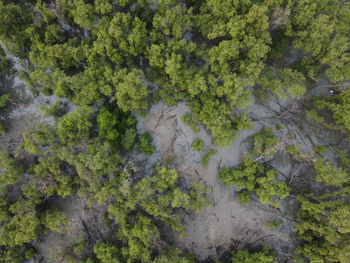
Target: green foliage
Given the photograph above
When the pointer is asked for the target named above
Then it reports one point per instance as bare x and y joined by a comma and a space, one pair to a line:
283, 82
206, 157
82, 13
80, 245
37, 137
54, 219
144, 143
12, 254
171, 255
280, 44
323, 226
130, 93
173, 21
2, 130
323, 220
116, 127
107, 121
216, 115
158, 196
329, 174
313, 115
129, 33
4, 99
265, 256
186, 118
320, 28
53, 180
103, 7
13, 23
24, 76
106, 253
56, 110
339, 107
252, 176
321, 149
23, 227
198, 144
11, 169
264, 143
298, 154
275, 224
74, 126
5, 64
244, 196
30, 253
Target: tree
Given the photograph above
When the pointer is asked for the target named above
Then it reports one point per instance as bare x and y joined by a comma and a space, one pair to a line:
264, 256
11, 170
116, 127
14, 20
144, 143
129, 33
75, 126
252, 176
106, 253
323, 226
83, 14
339, 107
51, 177
107, 123
54, 219
283, 82
173, 22
22, 228
323, 219
264, 143
103, 7
319, 27
130, 91
206, 157
186, 118
3, 101
198, 144
171, 255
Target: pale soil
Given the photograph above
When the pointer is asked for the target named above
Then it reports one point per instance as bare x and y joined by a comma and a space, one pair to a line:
226, 223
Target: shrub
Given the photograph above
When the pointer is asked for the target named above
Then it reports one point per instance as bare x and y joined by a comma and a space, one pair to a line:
252, 176
144, 144
243, 256
206, 157
186, 118
198, 144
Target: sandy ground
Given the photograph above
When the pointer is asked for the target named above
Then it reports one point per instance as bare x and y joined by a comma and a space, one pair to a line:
22, 108
226, 223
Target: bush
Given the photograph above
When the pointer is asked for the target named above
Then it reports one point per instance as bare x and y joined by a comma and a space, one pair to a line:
144, 144
4, 99
198, 144
243, 256
273, 224
186, 118
252, 176
11, 170
264, 142
206, 157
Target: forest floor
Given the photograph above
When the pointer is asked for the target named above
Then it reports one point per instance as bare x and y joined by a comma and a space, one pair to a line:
226, 222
